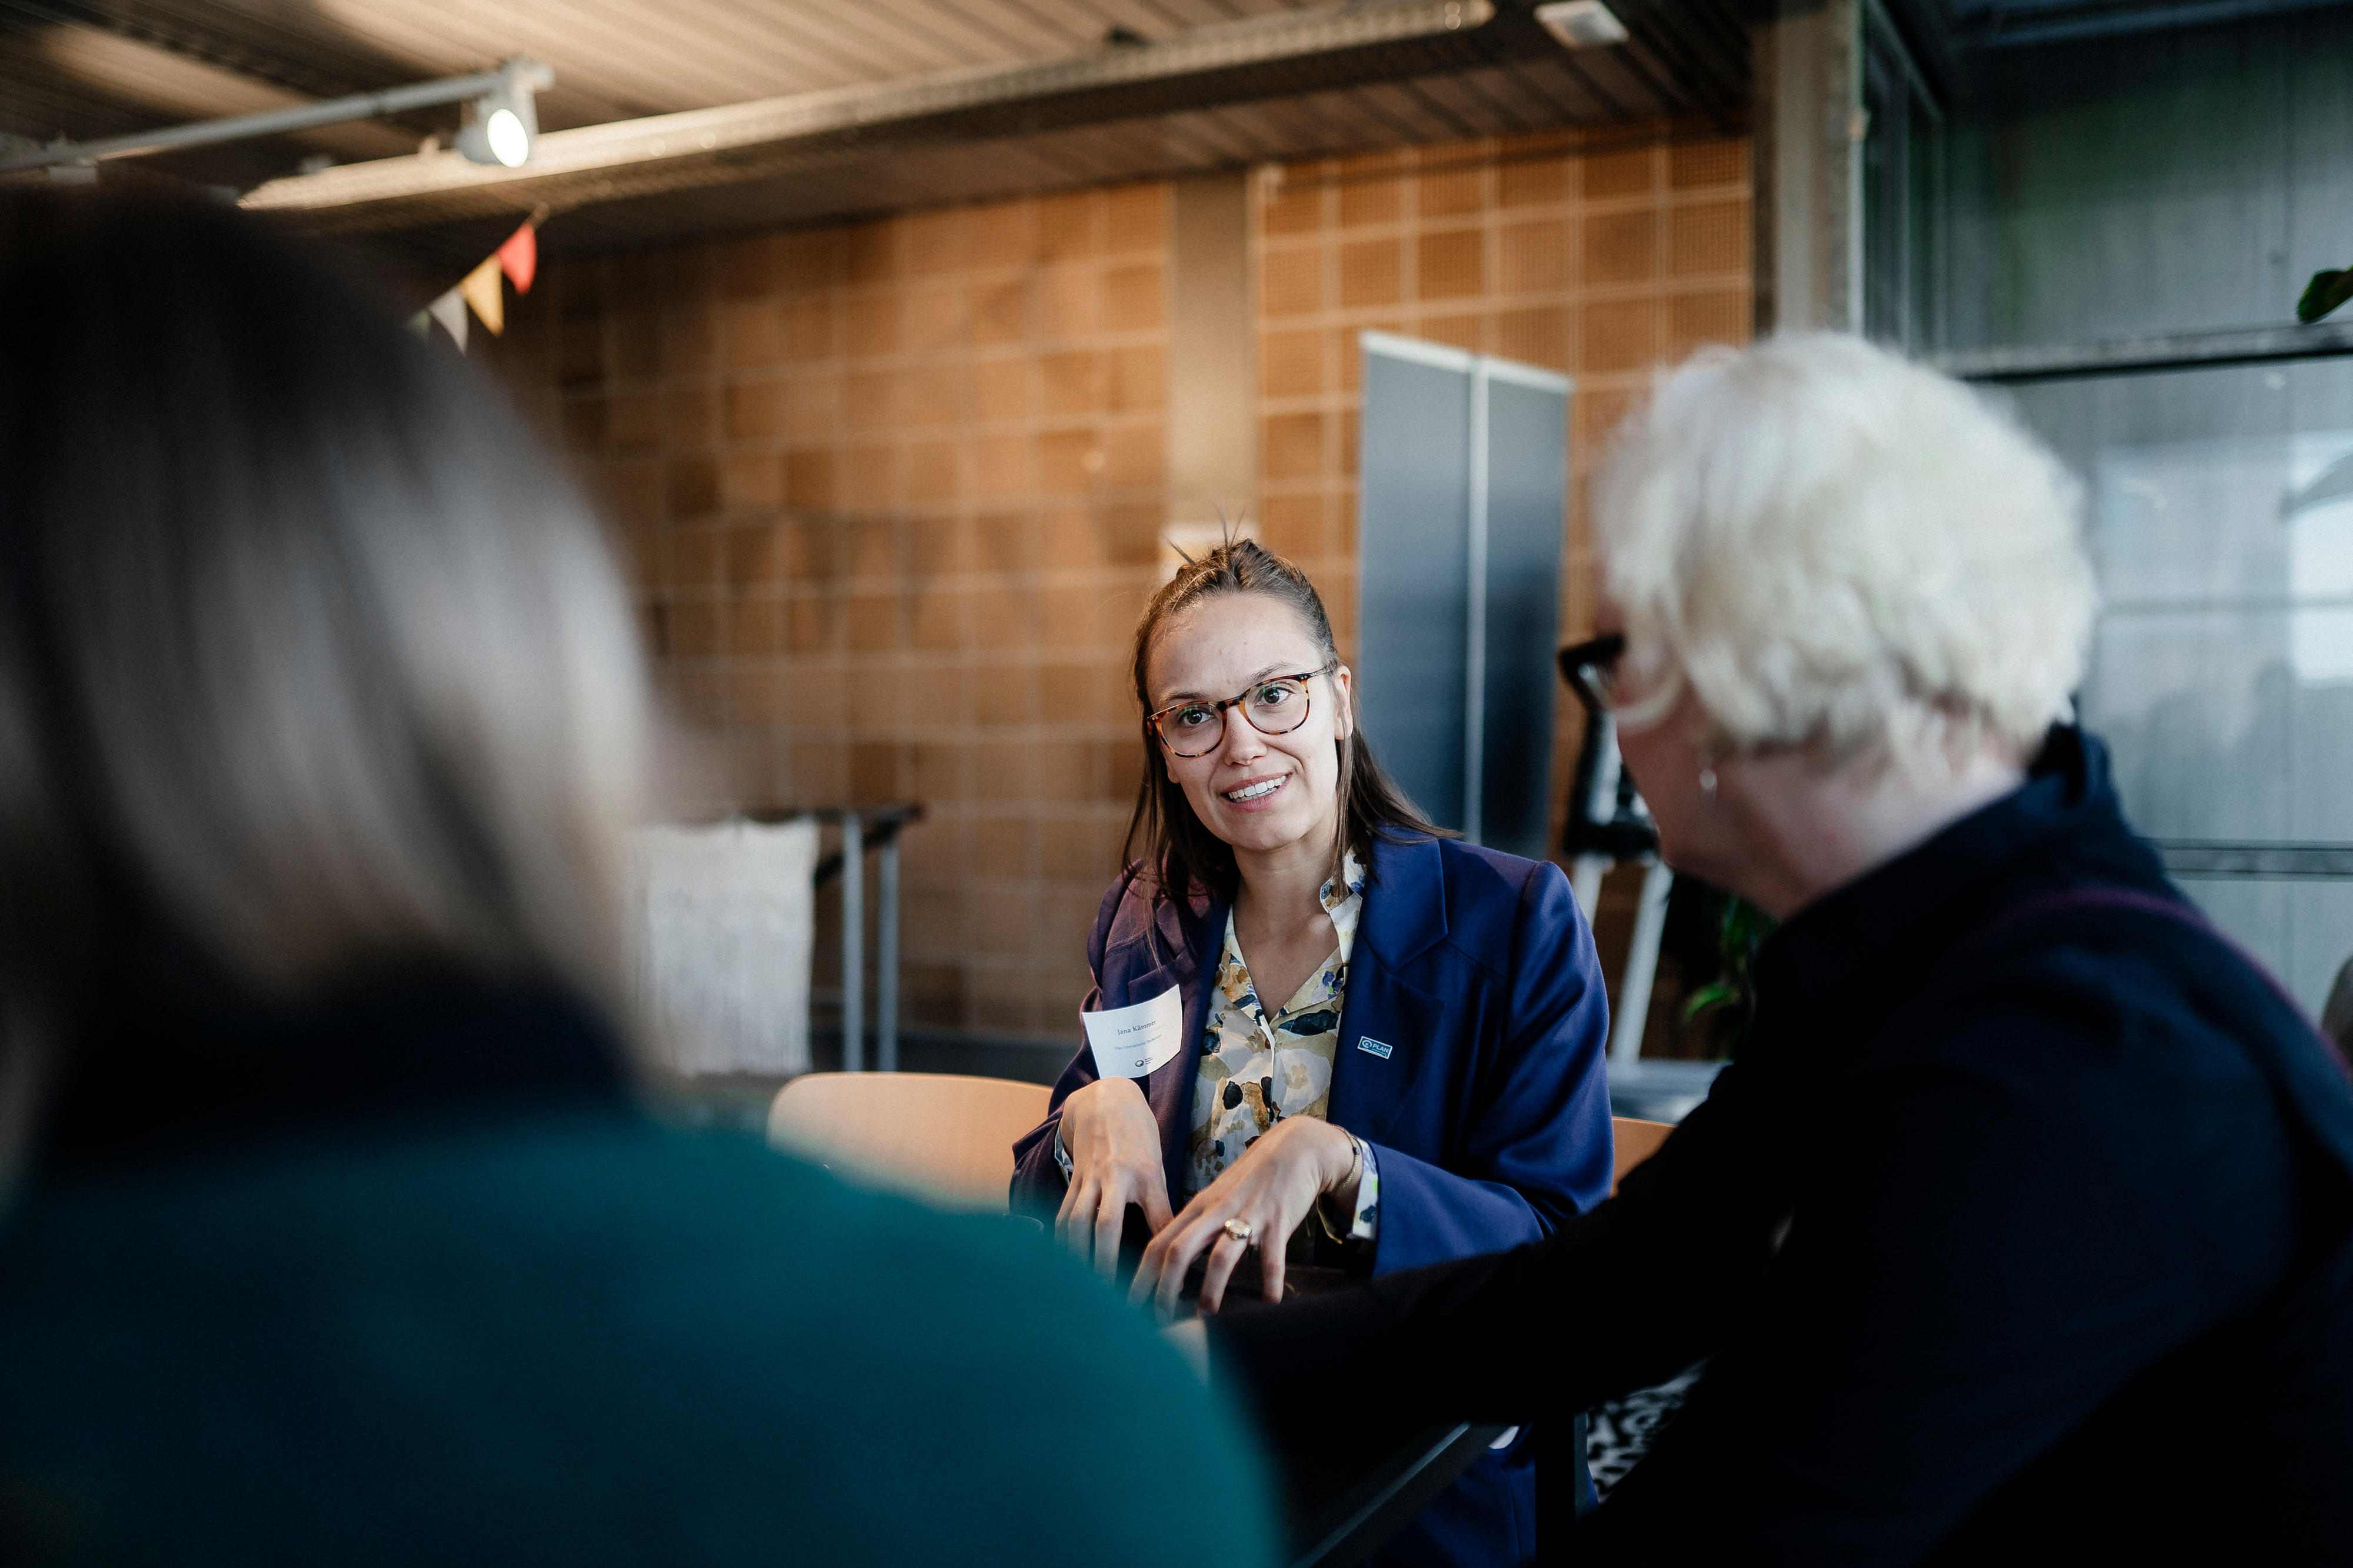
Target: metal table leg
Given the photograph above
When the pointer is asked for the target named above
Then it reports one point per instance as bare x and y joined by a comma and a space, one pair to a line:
1642, 964
853, 945
886, 957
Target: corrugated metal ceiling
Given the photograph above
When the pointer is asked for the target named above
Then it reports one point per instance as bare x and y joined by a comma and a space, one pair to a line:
83, 68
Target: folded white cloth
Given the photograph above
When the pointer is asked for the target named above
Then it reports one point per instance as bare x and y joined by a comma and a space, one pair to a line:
726, 917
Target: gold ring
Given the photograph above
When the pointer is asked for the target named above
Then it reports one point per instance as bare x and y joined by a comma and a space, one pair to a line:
1239, 1229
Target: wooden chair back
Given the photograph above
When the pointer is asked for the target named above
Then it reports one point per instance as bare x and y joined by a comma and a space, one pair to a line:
1636, 1142
941, 1137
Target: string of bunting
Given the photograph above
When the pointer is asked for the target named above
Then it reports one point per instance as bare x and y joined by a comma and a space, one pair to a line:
516, 261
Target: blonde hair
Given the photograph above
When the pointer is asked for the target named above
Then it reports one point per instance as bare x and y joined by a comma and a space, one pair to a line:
1832, 548
312, 658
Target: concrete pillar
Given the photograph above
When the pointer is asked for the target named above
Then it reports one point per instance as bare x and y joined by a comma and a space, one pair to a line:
1807, 149
1212, 414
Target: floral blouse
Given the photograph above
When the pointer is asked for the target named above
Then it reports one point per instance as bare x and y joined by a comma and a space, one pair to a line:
1256, 1069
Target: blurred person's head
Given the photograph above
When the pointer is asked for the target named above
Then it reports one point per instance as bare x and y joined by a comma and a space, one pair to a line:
1834, 571
310, 657
1286, 766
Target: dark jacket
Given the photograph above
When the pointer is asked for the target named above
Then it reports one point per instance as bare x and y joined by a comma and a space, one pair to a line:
2022, 1230
1472, 1056
412, 1281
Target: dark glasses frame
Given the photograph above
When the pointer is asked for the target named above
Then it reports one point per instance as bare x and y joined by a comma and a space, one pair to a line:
1593, 654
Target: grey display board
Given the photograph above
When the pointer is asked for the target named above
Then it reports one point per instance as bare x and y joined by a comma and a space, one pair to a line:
1465, 477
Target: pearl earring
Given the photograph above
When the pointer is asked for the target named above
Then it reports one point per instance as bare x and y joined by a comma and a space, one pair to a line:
1707, 780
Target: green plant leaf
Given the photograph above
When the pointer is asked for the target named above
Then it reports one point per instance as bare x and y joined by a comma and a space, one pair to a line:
2323, 294
1715, 993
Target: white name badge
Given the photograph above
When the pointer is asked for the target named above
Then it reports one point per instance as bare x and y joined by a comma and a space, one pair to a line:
1130, 1041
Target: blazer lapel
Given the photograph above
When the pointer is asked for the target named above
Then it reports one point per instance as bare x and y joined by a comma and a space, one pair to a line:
1389, 1028
1388, 1032
1192, 958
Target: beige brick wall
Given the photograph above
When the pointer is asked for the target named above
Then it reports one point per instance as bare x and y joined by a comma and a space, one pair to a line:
891, 492
1599, 254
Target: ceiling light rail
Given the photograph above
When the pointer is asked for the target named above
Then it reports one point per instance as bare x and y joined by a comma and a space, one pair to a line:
1224, 62
487, 138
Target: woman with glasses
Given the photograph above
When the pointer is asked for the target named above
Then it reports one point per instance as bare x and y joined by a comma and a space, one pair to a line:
1355, 1039
2022, 1230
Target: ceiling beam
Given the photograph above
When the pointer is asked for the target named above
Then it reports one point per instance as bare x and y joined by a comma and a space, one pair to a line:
1271, 57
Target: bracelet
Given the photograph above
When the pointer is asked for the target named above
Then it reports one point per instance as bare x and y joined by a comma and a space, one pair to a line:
1356, 1176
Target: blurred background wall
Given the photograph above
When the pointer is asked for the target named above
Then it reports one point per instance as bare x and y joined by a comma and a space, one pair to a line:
895, 491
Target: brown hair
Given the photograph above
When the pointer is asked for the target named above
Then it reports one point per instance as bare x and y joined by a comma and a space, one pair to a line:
1176, 848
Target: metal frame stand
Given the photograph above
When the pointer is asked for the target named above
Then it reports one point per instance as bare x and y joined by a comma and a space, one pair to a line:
1626, 1030
1609, 826
863, 828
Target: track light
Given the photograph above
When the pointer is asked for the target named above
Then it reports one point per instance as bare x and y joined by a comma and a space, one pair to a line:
1582, 24
501, 125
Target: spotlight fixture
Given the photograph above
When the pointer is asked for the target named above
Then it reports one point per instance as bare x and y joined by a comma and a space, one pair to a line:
1581, 23
501, 125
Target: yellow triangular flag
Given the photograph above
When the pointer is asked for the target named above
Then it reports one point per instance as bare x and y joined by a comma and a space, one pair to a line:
483, 290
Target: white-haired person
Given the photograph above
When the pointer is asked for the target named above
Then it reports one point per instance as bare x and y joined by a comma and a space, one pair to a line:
2021, 1229
333, 1232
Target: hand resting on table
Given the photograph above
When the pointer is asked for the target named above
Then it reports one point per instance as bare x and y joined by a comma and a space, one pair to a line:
1113, 1142
1271, 1189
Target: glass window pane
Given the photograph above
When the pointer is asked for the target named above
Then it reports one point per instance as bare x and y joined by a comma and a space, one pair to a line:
2298, 929
2221, 509
2155, 180
2218, 731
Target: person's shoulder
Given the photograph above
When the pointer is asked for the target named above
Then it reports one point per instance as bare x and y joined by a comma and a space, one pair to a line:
782, 1347
2098, 1062
815, 1243
958, 1341
1133, 899
973, 1338
2114, 1009
1133, 884
1490, 887
1483, 864
1500, 911
1467, 870
2121, 957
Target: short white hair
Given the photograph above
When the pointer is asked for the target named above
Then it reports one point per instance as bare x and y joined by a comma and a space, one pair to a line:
1833, 548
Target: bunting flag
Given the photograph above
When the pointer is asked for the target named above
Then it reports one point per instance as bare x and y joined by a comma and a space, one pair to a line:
516, 259
482, 290
520, 257
450, 311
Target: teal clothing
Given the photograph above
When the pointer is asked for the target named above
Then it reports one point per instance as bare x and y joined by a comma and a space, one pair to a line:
525, 1324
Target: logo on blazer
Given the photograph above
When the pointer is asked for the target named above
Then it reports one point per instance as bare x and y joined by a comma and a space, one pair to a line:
1380, 1048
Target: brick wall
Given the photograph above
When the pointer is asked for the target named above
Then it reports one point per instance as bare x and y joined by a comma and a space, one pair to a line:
1599, 255
891, 492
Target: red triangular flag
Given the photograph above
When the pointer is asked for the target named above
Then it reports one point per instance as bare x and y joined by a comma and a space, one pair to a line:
519, 257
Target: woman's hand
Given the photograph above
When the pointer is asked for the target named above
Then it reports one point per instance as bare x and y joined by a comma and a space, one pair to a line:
1113, 1142
1270, 1188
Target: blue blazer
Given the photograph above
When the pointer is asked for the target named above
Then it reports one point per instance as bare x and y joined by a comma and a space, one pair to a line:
1472, 1056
